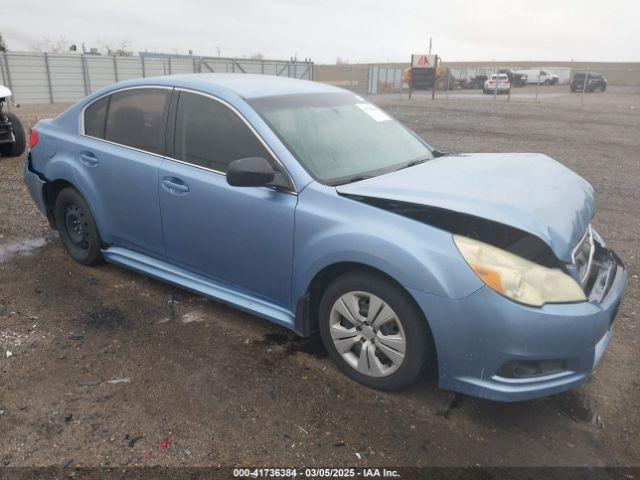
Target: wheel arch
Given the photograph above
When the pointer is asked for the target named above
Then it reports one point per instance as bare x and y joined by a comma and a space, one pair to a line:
50, 193
306, 312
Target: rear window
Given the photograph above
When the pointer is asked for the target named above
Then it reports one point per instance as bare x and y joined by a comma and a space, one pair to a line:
136, 118
95, 118
578, 77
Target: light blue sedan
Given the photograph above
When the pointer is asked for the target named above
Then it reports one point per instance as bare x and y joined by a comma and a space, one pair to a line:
306, 205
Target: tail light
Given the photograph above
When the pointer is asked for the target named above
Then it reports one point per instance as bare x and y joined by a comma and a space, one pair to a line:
33, 138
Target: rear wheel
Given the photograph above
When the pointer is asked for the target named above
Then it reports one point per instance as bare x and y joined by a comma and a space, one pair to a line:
373, 331
15, 148
77, 227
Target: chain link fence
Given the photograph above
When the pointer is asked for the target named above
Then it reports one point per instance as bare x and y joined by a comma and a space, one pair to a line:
528, 82
63, 78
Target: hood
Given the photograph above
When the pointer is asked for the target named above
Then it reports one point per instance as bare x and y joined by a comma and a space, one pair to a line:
528, 191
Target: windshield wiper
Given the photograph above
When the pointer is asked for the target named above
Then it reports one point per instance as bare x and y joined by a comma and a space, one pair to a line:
355, 178
413, 163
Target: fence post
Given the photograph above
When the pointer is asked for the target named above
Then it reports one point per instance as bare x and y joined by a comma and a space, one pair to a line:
170, 71
584, 87
261, 67
115, 68
6, 63
46, 66
144, 68
85, 74
537, 86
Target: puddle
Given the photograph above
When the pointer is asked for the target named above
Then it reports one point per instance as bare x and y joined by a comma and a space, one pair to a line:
24, 247
106, 318
294, 344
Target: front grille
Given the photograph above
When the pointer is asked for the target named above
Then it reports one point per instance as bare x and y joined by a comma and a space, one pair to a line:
582, 256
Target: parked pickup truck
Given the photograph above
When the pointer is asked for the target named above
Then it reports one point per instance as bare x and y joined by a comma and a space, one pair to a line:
544, 77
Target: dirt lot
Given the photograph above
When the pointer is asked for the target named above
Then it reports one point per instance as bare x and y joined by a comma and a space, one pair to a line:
106, 364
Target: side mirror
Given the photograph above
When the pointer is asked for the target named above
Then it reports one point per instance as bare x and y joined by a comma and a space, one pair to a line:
250, 172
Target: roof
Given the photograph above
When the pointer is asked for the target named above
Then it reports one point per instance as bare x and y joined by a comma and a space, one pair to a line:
250, 85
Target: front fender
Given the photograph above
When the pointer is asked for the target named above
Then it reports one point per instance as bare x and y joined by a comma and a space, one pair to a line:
332, 229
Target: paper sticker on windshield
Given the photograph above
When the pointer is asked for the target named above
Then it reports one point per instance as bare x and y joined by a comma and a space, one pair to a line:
373, 111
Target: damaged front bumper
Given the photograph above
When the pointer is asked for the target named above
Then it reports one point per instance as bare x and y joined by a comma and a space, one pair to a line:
491, 347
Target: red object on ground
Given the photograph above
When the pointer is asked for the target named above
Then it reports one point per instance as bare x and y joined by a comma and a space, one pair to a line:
165, 443
148, 455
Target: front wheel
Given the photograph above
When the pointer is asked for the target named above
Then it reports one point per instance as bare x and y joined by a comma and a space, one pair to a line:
373, 331
77, 227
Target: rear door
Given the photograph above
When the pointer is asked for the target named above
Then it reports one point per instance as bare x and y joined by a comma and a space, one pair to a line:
119, 154
241, 236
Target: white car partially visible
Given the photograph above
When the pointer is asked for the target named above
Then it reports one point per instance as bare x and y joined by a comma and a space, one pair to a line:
12, 139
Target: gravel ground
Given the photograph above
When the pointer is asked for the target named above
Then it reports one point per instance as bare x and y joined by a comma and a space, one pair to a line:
108, 367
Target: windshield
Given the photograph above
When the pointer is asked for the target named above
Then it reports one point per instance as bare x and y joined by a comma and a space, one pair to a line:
339, 137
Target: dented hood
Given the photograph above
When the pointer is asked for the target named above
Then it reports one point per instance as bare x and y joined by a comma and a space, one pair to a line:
531, 192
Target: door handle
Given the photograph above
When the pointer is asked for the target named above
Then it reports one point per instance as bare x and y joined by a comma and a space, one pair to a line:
89, 159
175, 186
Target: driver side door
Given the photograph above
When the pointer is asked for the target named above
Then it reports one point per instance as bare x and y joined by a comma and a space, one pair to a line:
240, 236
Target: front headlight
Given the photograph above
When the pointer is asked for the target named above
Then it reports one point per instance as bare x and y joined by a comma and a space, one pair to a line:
517, 278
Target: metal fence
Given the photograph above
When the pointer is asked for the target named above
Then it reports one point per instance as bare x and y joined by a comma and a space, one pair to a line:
56, 78
465, 80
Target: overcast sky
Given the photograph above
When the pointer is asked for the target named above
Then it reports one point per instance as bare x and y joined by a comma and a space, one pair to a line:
355, 30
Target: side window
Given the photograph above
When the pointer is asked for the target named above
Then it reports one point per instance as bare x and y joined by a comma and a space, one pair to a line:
95, 118
136, 118
209, 134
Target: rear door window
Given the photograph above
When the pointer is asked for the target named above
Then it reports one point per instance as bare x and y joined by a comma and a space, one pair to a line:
136, 118
95, 118
208, 134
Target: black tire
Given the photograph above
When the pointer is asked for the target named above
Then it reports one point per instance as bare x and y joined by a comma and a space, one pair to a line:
77, 228
419, 344
16, 148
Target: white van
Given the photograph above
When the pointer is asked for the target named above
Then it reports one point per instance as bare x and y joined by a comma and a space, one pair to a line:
545, 77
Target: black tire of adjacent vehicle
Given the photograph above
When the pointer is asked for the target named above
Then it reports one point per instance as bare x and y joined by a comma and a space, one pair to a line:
16, 148
86, 255
418, 336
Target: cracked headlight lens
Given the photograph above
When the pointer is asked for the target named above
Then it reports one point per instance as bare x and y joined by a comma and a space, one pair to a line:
517, 278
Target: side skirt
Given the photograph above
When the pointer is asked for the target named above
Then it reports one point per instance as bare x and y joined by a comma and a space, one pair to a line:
189, 281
